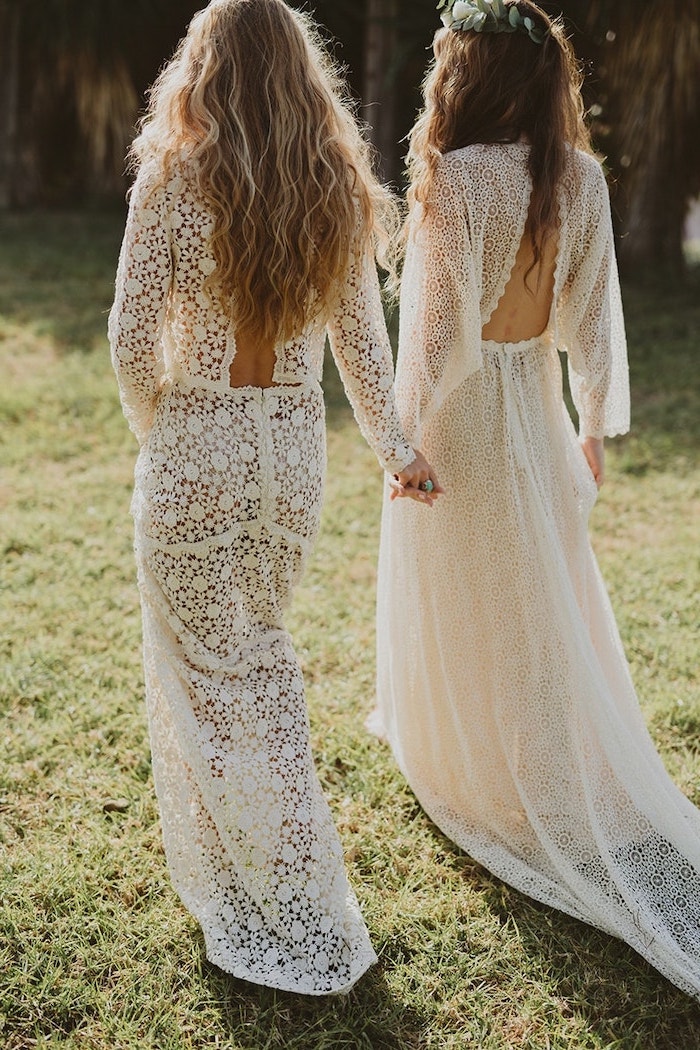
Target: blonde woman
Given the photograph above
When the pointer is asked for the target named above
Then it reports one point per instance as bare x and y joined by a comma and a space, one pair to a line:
249, 234
503, 686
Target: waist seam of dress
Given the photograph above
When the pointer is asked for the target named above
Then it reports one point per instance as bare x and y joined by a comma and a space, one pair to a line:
177, 378
224, 539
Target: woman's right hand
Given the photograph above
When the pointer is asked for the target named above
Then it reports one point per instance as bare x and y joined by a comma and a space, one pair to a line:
416, 481
594, 451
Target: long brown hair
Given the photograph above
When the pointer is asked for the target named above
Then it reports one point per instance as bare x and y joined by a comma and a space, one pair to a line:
500, 87
253, 107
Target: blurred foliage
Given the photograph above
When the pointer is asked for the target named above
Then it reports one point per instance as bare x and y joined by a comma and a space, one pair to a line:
81, 69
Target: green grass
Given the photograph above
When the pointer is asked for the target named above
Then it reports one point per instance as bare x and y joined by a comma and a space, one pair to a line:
95, 950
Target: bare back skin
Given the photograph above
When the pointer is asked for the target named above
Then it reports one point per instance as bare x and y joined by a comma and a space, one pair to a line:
524, 309
523, 312
254, 363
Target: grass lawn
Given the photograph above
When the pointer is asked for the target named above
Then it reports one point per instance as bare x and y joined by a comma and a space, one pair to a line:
95, 949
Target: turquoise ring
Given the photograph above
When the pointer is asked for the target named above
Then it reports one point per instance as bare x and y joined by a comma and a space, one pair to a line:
426, 486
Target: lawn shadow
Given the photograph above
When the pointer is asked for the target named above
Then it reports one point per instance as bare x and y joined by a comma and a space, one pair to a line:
626, 1003
663, 332
57, 274
370, 1017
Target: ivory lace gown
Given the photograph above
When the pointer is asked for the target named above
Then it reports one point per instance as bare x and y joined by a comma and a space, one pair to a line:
503, 688
228, 489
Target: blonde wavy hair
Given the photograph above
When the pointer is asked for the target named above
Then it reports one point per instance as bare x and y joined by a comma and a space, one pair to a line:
499, 87
255, 110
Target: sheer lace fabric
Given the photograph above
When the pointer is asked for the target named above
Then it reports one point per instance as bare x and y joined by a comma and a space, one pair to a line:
503, 687
227, 499
458, 266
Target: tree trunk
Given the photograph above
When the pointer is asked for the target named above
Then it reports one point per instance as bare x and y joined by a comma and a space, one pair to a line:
653, 236
653, 135
381, 51
648, 61
9, 98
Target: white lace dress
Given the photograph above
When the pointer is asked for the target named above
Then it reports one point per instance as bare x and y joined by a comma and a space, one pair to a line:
502, 683
228, 490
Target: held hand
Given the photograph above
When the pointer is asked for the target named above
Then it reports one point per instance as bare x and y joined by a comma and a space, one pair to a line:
416, 481
594, 452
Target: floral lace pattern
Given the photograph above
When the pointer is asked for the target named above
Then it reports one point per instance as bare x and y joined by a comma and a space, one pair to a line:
166, 326
512, 713
227, 501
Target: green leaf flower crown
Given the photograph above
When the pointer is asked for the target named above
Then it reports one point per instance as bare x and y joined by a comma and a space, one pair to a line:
488, 16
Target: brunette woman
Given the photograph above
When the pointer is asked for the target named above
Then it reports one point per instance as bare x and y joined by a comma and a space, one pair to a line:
503, 686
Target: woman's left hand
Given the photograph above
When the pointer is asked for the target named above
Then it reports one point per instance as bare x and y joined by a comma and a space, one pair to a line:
416, 481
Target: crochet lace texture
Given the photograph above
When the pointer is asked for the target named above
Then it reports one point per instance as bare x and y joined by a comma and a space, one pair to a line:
227, 499
458, 266
511, 709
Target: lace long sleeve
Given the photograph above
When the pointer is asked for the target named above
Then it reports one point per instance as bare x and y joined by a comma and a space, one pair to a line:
362, 351
440, 326
144, 277
594, 330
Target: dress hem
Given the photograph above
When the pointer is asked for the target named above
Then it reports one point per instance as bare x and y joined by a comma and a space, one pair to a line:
282, 984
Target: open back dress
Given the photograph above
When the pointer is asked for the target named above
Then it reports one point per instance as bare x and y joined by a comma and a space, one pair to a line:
227, 501
503, 687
